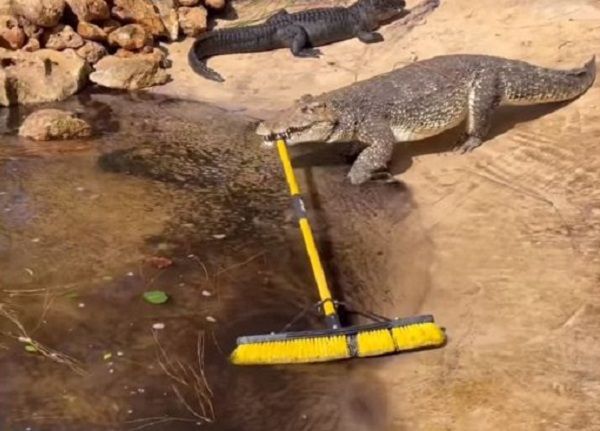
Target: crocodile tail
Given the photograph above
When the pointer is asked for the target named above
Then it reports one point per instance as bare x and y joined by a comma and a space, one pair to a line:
256, 38
198, 63
533, 84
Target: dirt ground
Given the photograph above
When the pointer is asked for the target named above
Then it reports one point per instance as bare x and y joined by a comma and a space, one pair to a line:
501, 245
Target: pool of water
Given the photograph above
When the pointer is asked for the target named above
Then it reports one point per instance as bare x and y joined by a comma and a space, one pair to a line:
178, 197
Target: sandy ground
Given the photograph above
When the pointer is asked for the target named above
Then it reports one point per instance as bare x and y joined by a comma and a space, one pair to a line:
502, 244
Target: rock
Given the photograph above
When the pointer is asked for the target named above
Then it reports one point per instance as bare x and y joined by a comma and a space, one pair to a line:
92, 52
151, 52
188, 3
110, 25
5, 7
129, 73
215, 4
41, 76
30, 29
53, 124
140, 12
90, 10
124, 53
130, 36
62, 37
32, 44
168, 15
44, 13
192, 20
11, 35
90, 31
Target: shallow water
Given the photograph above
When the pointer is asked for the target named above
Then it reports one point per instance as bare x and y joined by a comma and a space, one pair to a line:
79, 222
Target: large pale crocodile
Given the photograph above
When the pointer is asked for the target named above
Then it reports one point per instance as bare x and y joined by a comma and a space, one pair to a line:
300, 32
421, 100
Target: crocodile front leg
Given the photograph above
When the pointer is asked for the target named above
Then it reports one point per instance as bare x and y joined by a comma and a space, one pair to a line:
295, 38
372, 162
484, 99
369, 37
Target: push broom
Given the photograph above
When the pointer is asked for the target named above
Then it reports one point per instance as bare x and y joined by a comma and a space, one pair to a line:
336, 342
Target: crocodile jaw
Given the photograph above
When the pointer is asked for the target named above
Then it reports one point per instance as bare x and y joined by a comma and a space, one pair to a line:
308, 120
319, 131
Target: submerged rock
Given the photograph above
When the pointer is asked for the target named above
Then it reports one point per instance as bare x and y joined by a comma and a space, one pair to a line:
129, 73
41, 76
54, 124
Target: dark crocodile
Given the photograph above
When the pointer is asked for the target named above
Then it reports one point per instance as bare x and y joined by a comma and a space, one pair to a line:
300, 32
421, 100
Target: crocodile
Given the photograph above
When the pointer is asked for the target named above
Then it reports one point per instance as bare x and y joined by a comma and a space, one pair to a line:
421, 100
301, 32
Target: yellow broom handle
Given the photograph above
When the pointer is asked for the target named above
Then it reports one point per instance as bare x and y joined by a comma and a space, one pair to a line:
309, 241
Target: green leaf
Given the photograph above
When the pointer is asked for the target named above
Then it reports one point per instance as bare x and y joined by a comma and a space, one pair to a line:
156, 297
30, 348
72, 295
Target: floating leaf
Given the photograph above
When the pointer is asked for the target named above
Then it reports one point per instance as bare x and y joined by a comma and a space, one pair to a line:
72, 295
30, 348
156, 297
107, 356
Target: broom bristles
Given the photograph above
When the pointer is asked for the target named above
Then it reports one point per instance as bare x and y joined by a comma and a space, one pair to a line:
337, 344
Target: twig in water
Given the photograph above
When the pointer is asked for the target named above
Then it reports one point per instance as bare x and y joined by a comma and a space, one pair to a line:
45, 351
189, 381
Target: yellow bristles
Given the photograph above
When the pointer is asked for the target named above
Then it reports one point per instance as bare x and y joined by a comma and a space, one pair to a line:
321, 348
418, 335
313, 349
373, 343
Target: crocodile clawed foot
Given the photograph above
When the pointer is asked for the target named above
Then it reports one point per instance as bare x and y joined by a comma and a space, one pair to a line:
358, 176
383, 176
310, 53
467, 144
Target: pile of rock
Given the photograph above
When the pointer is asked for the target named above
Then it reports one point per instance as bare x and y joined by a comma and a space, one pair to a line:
49, 49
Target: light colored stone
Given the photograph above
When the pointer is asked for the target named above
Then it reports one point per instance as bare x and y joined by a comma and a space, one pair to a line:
192, 20
11, 35
90, 31
30, 29
32, 44
62, 37
110, 25
5, 7
168, 15
90, 10
141, 12
215, 4
130, 73
54, 124
92, 52
45, 75
44, 13
130, 36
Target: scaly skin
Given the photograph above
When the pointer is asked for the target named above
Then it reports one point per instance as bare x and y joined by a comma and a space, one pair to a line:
300, 32
421, 100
